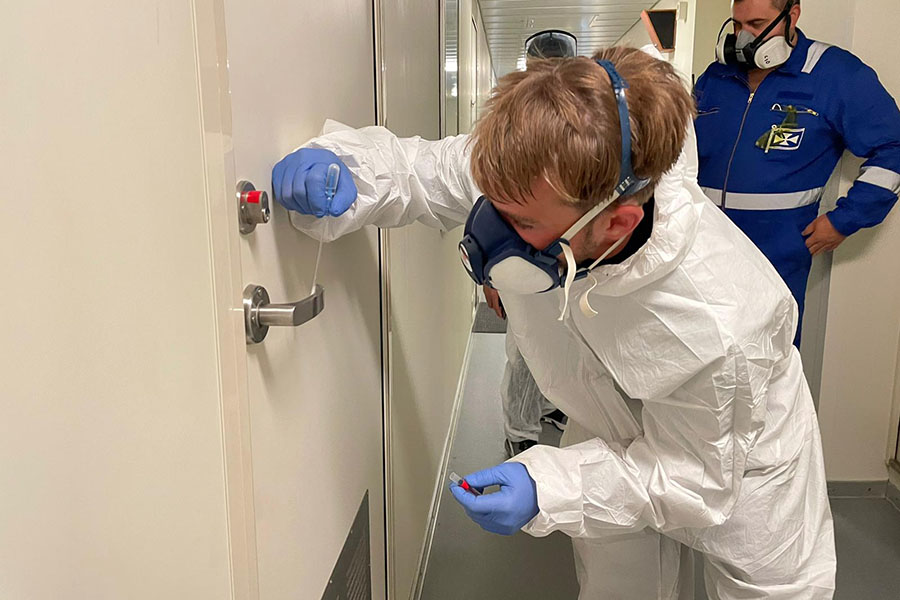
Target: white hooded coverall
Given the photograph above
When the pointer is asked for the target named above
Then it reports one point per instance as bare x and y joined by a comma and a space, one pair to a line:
690, 420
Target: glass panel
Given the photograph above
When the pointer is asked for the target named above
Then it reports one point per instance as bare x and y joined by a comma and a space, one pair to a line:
450, 123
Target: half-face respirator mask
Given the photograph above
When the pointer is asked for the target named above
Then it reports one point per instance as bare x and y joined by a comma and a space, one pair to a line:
760, 52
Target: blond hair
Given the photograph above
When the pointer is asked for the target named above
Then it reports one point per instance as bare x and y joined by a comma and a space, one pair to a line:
559, 120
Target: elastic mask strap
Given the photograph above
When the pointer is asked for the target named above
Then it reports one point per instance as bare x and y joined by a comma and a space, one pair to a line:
585, 304
724, 25
787, 31
605, 254
761, 38
588, 216
571, 269
628, 181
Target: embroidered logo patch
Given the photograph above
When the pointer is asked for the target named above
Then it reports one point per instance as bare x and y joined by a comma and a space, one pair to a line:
787, 136
781, 138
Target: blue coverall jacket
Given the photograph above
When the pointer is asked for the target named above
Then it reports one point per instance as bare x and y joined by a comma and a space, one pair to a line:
766, 156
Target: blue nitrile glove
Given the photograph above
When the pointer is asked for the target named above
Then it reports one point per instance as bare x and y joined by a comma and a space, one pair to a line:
504, 512
298, 183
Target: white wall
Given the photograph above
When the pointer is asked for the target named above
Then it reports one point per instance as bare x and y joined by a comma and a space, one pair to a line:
863, 326
710, 15
683, 57
431, 295
111, 449
830, 20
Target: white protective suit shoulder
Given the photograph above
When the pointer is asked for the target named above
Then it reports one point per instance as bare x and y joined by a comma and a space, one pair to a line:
703, 425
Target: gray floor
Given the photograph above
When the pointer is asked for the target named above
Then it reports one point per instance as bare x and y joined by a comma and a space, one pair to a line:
867, 532
487, 321
467, 562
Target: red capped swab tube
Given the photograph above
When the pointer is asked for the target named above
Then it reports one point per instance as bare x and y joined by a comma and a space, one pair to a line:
463, 484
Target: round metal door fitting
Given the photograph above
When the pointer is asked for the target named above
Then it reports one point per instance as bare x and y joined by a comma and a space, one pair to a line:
255, 296
253, 206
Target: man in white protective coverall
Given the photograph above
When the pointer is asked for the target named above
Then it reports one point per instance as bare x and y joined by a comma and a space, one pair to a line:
690, 421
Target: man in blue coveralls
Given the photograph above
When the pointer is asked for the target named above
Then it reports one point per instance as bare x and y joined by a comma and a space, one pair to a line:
775, 114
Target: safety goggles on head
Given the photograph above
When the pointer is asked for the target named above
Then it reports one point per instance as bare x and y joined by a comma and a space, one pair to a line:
494, 254
743, 49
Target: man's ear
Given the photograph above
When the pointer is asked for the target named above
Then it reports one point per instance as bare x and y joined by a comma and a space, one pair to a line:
623, 220
795, 16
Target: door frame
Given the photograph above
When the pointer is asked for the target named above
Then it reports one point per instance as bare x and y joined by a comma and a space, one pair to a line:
894, 439
211, 54
384, 275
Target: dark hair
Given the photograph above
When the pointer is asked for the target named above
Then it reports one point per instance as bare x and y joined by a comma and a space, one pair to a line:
782, 4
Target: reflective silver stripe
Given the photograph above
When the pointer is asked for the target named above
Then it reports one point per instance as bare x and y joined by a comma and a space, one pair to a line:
765, 201
815, 55
883, 178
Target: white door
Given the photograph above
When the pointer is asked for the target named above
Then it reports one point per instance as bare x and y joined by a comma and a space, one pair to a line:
310, 423
145, 450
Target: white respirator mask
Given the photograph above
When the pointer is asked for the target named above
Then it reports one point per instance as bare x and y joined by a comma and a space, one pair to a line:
760, 52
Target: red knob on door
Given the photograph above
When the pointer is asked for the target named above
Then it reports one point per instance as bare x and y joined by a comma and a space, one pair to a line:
253, 206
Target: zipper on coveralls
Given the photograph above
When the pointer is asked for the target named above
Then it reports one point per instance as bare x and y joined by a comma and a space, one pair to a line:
734, 150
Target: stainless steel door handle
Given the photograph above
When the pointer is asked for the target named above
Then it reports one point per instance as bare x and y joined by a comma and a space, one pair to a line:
259, 314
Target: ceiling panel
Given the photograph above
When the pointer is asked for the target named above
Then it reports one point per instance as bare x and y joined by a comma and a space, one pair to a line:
596, 23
